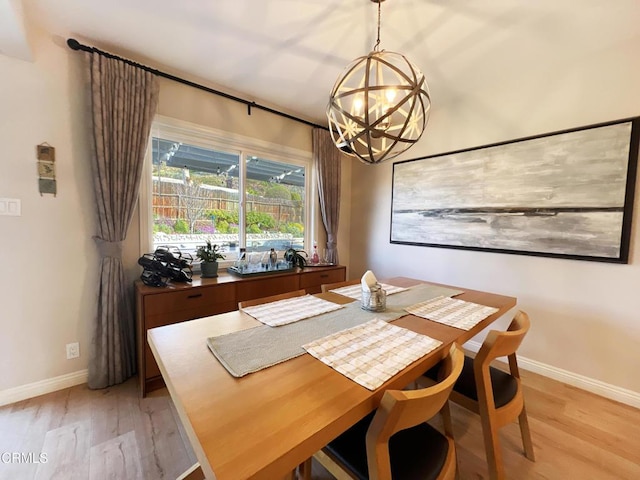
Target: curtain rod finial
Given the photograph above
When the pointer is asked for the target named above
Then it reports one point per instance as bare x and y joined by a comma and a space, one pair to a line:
73, 44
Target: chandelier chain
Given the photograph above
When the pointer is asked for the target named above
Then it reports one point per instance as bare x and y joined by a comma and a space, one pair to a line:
375, 47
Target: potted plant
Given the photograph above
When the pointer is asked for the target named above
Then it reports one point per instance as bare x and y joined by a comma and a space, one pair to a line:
209, 254
295, 258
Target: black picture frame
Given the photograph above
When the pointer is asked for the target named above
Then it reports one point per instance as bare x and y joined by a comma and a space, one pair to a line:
566, 194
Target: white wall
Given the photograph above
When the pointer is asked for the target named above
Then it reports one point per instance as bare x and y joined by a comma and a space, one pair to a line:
47, 257
585, 315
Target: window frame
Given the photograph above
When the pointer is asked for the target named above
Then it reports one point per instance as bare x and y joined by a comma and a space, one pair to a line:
243, 146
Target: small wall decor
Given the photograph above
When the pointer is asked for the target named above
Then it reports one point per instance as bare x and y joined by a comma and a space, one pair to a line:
566, 194
46, 155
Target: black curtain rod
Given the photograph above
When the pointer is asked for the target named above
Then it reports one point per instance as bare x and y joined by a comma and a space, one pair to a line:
75, 45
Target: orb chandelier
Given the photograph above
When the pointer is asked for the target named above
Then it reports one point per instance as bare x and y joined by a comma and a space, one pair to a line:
379, 106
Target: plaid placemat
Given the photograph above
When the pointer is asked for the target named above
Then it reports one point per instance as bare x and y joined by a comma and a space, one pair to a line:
371, 353
355, 291
251, 350
452, 312
289, 310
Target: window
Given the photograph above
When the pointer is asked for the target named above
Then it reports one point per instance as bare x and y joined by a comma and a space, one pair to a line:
239, 192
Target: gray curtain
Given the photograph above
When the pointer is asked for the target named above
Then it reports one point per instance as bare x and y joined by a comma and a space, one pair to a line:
327, 159
123, 100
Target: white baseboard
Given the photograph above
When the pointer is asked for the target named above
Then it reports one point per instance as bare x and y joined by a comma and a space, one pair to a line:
30, 390
603, 389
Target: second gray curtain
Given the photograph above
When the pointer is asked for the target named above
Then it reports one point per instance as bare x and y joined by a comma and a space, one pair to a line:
327, 160
124, 100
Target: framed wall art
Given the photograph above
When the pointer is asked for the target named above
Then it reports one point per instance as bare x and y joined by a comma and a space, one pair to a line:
565, 194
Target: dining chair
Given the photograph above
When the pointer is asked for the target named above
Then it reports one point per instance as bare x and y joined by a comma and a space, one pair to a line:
272, 298
494, 394
395, 441
330, 286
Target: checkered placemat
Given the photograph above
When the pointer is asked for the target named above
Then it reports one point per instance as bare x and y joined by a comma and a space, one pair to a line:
355, 291
452, 312
289, 310
371, 353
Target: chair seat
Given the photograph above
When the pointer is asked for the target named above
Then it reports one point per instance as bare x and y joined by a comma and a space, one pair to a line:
416, 453
504, 386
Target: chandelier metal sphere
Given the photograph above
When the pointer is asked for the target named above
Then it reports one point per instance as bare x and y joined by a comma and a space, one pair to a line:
379, 106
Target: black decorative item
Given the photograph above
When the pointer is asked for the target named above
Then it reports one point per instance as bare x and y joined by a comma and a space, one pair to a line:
164, 265
566, 194
295, 257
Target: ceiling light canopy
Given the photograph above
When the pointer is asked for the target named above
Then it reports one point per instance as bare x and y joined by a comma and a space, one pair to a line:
379, 106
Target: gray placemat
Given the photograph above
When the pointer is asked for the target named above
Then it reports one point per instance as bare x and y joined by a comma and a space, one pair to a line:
250, 350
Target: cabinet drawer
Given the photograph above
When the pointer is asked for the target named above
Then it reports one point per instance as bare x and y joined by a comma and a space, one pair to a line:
312, 281
265, 287
189, 299
196, 311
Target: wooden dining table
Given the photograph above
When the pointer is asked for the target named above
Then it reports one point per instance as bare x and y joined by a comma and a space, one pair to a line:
263, 425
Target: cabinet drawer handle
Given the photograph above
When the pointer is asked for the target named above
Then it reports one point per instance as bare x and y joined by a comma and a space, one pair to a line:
195, 295
325, 275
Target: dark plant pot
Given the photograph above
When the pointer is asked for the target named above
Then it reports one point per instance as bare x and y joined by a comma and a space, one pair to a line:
209, 269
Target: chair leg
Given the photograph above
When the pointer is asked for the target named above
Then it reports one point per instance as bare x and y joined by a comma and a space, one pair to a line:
448, 430
304, 470
446, 419
492, 448
527, 443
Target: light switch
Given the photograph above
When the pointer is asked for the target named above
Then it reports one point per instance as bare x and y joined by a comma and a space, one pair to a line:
10, 206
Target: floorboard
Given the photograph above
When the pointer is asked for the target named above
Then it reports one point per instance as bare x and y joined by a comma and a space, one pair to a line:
115, 434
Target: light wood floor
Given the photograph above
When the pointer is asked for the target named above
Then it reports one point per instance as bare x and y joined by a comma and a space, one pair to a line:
95, 434
114, 434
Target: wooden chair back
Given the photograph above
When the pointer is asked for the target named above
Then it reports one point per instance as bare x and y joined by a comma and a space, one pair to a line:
499, 344
503, 344
330, 286
402, 409
272, 298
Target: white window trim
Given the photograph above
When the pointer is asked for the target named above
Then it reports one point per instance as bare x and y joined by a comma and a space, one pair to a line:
195, 134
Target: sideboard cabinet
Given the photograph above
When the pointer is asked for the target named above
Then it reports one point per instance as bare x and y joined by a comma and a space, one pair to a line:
158, 306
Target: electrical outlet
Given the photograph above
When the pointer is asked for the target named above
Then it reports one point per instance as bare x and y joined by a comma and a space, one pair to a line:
73, 350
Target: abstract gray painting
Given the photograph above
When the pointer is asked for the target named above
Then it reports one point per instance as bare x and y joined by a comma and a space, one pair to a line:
567, 194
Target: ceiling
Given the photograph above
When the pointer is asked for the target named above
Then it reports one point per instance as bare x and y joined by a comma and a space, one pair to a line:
287, 54
13, 39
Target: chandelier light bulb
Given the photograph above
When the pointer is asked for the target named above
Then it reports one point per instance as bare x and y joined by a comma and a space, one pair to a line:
357, 106
390, 95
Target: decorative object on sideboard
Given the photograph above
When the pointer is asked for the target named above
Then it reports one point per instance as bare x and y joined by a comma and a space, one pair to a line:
165, 264
260, 269
379, 106
295, 257
315, 258
209, 254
